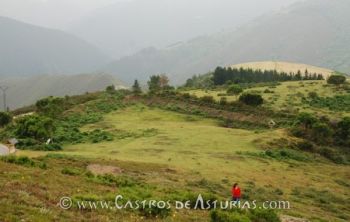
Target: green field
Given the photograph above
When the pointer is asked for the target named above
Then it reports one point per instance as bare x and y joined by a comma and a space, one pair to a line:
196, 149
285, 95
171, 146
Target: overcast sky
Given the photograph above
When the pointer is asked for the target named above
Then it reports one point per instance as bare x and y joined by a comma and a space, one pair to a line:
50, 13
62, 13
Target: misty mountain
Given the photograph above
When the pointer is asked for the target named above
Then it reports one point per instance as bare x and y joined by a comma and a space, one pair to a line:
129, 26
25, 91
315, 32
27, 49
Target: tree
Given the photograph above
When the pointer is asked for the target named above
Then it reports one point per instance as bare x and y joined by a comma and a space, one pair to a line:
50, 106
154, 84
234, 90
136, 89
163, 81
336, 79
5, 118
110, 89
251, 99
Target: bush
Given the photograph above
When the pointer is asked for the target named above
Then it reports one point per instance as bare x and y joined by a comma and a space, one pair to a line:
336, 79
305, 146
251, 99
343, 131
223, 101
228, 216
32, 144
155, 211
234, 90
97, 136
119, 181
51, 106
5, 118
70, 171
21, 160
313, 95
332, 155
260, 215
207, 100
321, 132
37, 127
306, 120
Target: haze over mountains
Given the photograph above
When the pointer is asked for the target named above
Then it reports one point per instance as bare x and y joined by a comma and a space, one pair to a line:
25, 91
315, 32
129, 26
177, 37
27, 50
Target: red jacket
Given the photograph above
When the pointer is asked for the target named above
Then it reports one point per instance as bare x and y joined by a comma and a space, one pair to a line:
236, 192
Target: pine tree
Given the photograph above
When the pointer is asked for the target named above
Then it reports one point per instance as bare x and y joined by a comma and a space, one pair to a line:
136, 89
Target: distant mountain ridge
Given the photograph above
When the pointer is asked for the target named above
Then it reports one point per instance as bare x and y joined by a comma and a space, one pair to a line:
25, 91
27, 50
315, 32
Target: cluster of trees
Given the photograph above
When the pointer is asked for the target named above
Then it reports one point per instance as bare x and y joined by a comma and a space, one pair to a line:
322, 131
158, 83
222, 76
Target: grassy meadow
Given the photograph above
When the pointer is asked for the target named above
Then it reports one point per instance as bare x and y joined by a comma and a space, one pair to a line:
285, 96
137, 147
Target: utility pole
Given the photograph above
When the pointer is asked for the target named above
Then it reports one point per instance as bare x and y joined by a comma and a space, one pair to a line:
4, 89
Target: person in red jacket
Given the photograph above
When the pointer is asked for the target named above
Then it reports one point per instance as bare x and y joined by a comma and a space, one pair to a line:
236, 193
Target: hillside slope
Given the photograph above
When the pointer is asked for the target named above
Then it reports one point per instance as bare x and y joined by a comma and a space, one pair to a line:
27, 50
27, 90
315, 32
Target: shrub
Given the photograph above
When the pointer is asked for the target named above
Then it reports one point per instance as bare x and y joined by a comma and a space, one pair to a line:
32, 144
321, 132
234, 90
251, 99
119, 181
313, 95
343, 131
155, 211
306, 120
223, 101
332, 155
228, 216
51, 106
70, 171
97, 136
5, 118
21, 160
305, 146
36, 127
260, 215
336, 79
207, 99
268, 91
110, 89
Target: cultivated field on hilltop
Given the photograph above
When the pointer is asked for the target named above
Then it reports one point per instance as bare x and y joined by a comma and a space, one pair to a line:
284, 67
